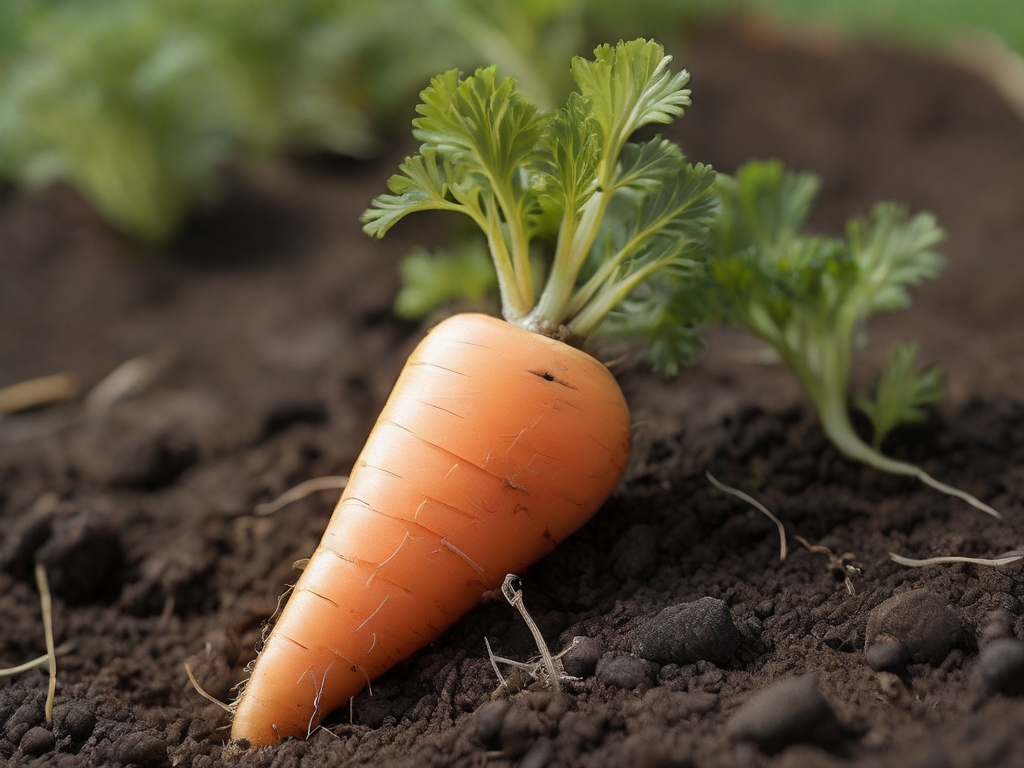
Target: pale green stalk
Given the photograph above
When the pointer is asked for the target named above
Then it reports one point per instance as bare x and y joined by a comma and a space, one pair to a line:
586, 322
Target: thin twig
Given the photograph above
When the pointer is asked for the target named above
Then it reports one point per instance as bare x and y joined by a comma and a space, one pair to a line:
35, 393
47, 608
515, 599
204, 694
129, 378
841, 564
1009, 557
783, 550
301, 491
815, 548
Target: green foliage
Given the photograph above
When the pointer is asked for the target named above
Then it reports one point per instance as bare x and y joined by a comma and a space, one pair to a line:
901, 392
807, 296
140, 104
623, 216
663, 314
629, 86
433, 280
931, 23
567, 163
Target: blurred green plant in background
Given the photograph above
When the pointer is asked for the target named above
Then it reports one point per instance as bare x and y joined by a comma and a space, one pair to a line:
140, 104
920, 22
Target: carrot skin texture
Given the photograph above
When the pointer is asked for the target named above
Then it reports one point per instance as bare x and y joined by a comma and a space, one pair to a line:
494, 446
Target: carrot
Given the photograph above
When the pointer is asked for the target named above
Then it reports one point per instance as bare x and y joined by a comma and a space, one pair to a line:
500, 439
455, 488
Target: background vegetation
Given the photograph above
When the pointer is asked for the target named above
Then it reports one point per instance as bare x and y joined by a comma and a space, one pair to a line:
140, 104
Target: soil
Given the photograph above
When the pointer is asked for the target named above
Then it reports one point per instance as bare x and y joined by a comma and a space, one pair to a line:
277, 310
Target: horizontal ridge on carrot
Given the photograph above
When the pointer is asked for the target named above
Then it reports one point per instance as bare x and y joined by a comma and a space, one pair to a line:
501, 437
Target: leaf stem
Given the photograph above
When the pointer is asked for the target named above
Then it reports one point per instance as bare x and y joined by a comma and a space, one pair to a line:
613, 293
835, 421
513, 306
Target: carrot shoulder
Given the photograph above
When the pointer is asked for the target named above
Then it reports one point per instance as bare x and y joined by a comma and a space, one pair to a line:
495, 445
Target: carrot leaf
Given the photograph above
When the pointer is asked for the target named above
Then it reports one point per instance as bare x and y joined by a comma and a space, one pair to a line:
609, 215
901, 392
431, 280
629, 86
809, 296
568, 158
421, 185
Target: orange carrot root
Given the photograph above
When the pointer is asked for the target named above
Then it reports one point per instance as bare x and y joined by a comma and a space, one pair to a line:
495, 445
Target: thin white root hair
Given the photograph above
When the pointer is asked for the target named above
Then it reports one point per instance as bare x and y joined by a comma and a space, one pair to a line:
783, 550
44, 600
494, 663
301, 491
316, 699
203, 693
848, 569
66, 647
129, 378
515, 599
38, 662
1009, 557
949, 490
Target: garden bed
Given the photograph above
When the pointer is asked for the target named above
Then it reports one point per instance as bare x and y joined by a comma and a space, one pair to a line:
276, 309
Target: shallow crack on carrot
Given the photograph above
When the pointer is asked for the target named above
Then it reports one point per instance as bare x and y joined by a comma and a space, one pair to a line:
549, 376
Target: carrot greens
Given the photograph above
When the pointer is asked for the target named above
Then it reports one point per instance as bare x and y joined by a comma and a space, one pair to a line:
430, 280
808, 297
610, 215
901, 393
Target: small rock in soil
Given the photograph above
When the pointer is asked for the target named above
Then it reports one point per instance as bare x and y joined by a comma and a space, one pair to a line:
487, 723
915, 626
540, 756
29, 714
789, 712
580, 659
82, 551
625, 671
1000, 667
999, 623
37, 741
682, 634
668, 706
635, 555
519, 730
140, 749
25, 534
147, 442
74, 719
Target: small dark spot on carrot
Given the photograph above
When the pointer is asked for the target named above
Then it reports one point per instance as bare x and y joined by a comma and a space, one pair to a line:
549, 376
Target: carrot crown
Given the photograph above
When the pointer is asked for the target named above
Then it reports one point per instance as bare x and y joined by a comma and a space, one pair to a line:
611, 217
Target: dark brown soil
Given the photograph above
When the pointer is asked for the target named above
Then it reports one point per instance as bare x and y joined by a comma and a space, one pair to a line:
278, 309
